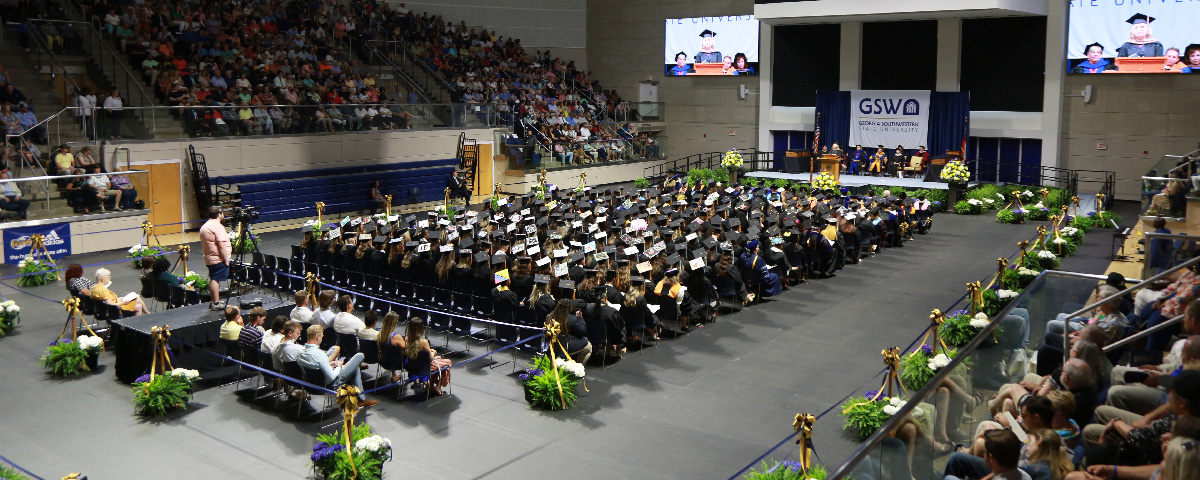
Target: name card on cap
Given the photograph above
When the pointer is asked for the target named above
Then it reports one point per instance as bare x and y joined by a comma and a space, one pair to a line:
601, 219
585, 214
593, 227
627, 204
518, 248
601, 234
573, 243
446, 248
482, 234
560, 253
443, 222
541, 262
364, 236
652, 210
696, 263
560, 270
730, 190
631, 251
423, 224
502, 201
356, 222
589, 247
690, 237
393, 218
601, 210
576, 224
452, 235
396, 240
524, 211
531, 241
533, 250
510, 227
530, 228
643, 267
424, 247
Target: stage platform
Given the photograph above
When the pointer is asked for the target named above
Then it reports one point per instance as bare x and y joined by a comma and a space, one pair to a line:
862, 180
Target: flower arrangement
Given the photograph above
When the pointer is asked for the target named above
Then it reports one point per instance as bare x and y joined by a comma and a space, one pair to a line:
156, 396
996, 300
10, 316
956, 171
329, 458
246, 244
787, 470
541, 384
864, 416
1015, 215
35, 272
960, 328
917, 368
1019, 277
824, 181
66, 358
732, 159
1073, 234
641, 183
143, 255
1041, 260
200, 283
1060, 246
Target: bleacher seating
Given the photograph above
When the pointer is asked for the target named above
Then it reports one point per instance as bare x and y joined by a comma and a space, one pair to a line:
293, 194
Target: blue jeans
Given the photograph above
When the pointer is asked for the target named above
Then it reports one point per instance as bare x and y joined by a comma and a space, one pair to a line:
350, 373
965, 465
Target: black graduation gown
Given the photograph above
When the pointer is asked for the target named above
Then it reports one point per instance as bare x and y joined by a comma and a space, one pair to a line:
577, 338
638, 316
379, 265
543, 308
522, 286
604, 326
504, 301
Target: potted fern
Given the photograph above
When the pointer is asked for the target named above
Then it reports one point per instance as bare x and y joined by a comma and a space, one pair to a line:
156, 395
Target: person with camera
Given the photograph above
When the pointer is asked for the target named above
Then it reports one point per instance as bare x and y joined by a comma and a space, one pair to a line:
214, 241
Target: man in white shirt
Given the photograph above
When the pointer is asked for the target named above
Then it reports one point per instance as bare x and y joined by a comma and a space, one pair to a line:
104, 188
113, 113
346, 321
336, 372
301, 314
274, 336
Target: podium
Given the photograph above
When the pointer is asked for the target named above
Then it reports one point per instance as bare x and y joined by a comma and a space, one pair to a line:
1141, 65
796, 161
831, 164
709, 69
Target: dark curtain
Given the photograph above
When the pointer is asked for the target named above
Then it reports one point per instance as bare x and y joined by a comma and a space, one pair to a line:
947, 112
833, 111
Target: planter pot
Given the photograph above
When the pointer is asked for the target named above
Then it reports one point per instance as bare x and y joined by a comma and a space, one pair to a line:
93, 362
956, 193
528, 394
733, 176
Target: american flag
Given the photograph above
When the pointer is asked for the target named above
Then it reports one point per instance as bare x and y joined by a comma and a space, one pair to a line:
817, 136
966, 133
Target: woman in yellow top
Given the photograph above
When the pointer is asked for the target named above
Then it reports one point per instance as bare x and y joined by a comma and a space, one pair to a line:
877, 161
101, 292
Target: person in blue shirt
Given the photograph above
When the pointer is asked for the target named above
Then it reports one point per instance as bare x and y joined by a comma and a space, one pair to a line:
681, 66
1095, 62
750, 261
335, 371
1161, 249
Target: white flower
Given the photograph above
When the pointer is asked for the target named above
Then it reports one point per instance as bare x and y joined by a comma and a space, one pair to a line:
1059, 240
21, 264
1069, 231
13, 309
973, 201
1039, 206
373, 443
1047, 254
989, 201
135, 249
979, 322
1001, 195
572, 367
185, 373
88, 342
1003, 294
896, 402
890, 409
1027, 193
937, 362
7, 303
981, 316
1026, 272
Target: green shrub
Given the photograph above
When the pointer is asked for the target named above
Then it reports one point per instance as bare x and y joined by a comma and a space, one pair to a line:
787, 470
64, 358
172, 390
862, 417
641, 183
1010, 216
542, 387
329, 459
1042, 260
914, 368
751, 181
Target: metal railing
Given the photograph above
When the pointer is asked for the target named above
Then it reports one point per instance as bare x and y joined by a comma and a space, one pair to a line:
47, 62
752, 160
1153, 260
1158, 198
70, 199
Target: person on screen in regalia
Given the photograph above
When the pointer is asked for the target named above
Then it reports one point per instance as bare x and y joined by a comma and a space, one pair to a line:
1141, 41
681, 66
727, 65
1173, 62
741, 65
1095, 62
708, 48
1191, 58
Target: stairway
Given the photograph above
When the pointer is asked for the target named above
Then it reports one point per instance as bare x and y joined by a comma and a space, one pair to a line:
468, 159
47, 100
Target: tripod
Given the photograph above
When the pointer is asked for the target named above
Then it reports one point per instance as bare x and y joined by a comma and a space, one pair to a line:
236, 286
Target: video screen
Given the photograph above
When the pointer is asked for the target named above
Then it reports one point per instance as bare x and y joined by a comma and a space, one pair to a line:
711, 46
1125, 36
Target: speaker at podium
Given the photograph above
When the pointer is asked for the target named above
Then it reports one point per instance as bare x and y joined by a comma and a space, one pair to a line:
796, 161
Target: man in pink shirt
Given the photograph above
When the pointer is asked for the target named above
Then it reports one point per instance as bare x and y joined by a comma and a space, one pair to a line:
217, 251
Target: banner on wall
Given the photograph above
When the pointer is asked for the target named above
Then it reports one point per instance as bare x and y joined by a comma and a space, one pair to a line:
889, 118
18, 242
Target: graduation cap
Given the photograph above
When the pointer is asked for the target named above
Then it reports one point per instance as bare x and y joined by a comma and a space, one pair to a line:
710, 242
541, 262
672, 272
411, 244
637, 280
466, 243
566, 287
698, 253
673, 259
1139, 18
501, 276
622, 262
380, 239
435, 234
541, 279
707, 33
499, 258
524, 260
481, 257
575, 257
692, 227
396, 240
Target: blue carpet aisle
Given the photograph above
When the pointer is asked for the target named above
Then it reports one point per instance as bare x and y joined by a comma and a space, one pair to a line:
697, 407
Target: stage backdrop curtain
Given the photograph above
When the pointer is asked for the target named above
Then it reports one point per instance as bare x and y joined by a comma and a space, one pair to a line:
946, 113
833, 107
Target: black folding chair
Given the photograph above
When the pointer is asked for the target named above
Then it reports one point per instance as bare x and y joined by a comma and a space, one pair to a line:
297, 253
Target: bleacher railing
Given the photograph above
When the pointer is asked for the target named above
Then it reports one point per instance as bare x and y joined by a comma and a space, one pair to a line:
47, 199
975, 366
1157, 181
1166, 250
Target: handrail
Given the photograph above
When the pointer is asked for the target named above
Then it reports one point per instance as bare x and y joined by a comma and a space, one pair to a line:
1148, 238
44, 49
412, 82
1126, 291
59, 177
1142, 334
128, 159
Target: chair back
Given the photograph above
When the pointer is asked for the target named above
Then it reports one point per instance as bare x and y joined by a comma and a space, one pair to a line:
418, 368
297, 253
293, 371
232, 349
391, 357
914, 162
370, 351
178, 297
349, 344
162, 293
252, 355
147, 286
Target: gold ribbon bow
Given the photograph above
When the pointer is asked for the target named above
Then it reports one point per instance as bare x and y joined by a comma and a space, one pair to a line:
1075, 207
347, 397
310, 285
387, 204
1099, 203
37, 247
553, 329
937, 318
184, 250
160, 335
975, 292
72, 476
582, 180
891, 361
72, 306
1001, 264
446, 202
320, 213
802, 423
1045, 195
496, 190
1041, 229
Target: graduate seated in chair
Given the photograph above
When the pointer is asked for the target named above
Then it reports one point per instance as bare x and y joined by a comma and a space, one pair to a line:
750, 261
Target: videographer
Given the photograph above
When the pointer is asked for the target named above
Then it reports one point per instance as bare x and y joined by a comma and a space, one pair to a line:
214, 241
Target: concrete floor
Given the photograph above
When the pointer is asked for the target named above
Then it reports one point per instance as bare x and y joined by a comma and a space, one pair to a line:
700, 406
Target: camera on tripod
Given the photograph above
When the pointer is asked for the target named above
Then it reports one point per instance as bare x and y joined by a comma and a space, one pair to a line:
244, 214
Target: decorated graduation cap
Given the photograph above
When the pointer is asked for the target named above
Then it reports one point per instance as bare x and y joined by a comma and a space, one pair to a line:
1139, 18
501, 276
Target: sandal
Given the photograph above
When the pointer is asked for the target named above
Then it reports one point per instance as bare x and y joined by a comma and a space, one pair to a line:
943, 448
978, 400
